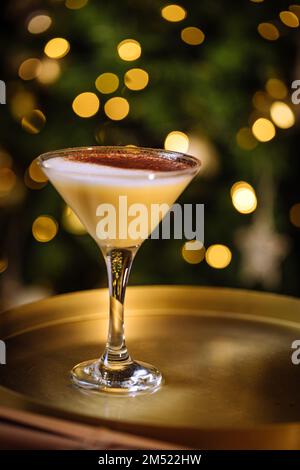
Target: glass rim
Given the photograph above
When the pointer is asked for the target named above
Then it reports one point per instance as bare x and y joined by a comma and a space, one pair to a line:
169, 154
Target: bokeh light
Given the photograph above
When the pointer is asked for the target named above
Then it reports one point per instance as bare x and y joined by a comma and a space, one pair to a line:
173, 13
39, 24
289, 19
192, 36
57, 48
34, 121
86, 104
282, 115
107, 82
243, 197
276, 88
253, 116
218, 256
195, 255
5, 158
177, 141
29, 69
268, 31
136, 79
129, 49
14, 197
263, 129
295, 9
295, 214
245, 139
32, 184
71, 222
44, 228
49, 71
261, 101
36, 173
75, 4
116, 108
22, 103
201, 147
3, 264
7, 181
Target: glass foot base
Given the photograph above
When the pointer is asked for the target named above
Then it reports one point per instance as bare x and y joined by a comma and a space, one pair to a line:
129, 379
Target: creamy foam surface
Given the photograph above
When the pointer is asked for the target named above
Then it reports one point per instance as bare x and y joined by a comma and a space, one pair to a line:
90, 188
94, 173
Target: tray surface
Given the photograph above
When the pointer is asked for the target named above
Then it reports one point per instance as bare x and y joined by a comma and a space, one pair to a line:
225, 356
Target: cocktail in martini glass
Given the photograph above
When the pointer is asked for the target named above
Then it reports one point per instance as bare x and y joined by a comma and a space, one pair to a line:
96, 182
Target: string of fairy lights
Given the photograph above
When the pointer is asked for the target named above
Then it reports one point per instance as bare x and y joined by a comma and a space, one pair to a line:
271, 110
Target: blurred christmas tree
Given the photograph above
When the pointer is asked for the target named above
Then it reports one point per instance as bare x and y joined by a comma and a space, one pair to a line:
194, 77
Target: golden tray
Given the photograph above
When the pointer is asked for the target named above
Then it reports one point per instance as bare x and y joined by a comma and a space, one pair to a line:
225, 355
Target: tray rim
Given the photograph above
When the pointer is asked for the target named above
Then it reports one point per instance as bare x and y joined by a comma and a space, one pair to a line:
202, 288
229, 292
249, 298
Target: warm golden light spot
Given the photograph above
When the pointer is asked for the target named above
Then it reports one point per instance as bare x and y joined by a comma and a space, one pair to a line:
36, 173
75, 4
173, 13
5, 158
49, 71
263, 129
239, 185
129, 49
39, 24
253, 116
136, 79
245, 139
243, 197
295, 9
14, 197
261, 101
256, 1
30, 183
295, 214
282, 115
192, 36
218, 256
116, 108
29, 69
7, 181
3, 265
276, 88
57, 48
193, 252
107, 82
72, 223
86, 104
268, 31
44, 228
289, 19
34, 121
177, 141
22, 103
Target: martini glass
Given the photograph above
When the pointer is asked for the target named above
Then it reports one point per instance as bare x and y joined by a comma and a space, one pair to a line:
91, 177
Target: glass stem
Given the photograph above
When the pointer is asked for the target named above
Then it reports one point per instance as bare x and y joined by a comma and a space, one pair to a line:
118, 263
